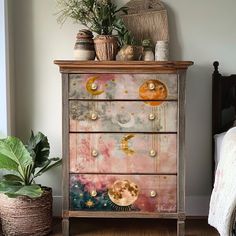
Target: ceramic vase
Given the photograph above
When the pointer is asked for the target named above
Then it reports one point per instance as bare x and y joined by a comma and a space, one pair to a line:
162, 51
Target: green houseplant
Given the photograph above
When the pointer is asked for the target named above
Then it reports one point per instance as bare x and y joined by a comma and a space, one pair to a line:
99, 16
18, 190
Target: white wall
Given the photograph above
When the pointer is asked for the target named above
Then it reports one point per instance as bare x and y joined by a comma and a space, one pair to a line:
202, 31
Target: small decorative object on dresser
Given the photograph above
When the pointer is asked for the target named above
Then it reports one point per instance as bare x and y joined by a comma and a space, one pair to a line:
84, 47
162, 51
148, 54
123, 140
25, 207
101, 17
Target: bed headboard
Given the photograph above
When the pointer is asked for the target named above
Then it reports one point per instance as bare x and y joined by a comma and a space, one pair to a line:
223, 103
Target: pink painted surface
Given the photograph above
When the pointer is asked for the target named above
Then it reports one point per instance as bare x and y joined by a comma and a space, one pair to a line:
162, 186
117, 86
122, 116
123, 153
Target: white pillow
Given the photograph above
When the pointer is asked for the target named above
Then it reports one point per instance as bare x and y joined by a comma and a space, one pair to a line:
218, 144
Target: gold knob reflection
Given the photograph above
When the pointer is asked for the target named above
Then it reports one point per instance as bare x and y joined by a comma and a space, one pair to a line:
94, 86
94, 153
151, 86
152, 116
153, 194
152, 153
93, 193
94, 116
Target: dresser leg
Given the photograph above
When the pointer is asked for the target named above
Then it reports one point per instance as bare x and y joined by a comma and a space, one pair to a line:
65, 227
180, 227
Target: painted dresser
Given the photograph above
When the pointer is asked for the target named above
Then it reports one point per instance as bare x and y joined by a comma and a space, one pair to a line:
123, 140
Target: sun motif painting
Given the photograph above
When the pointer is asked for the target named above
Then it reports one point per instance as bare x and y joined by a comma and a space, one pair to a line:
153, 90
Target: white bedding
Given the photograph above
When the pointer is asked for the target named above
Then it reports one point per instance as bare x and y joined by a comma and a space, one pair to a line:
218, 138
223, 198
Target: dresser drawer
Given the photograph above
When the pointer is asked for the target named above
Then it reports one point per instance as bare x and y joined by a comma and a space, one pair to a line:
144, 193
123, 86
104, 116
123, 153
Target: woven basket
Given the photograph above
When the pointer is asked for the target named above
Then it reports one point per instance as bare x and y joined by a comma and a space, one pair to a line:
23, 216
106, 47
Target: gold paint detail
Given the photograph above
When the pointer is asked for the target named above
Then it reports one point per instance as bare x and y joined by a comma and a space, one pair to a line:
123, 193
94, 153
152, 153
153, 90
93, 193
89, 203
152, 116
90, 86
124, 145
153, 194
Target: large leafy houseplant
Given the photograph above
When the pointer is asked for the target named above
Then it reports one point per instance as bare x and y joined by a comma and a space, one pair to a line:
23, 163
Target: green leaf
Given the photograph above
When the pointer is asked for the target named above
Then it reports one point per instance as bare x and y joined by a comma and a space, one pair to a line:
31, 191
12, 178
9, 186
48, 167
7, 163
39, 148
12, 148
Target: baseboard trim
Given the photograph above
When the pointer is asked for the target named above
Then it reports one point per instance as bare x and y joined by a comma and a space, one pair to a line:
196, 206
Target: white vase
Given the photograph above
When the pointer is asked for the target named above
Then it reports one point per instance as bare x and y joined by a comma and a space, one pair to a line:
162, 51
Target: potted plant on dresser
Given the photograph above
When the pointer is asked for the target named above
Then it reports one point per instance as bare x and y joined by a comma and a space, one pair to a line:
25, 207
99, 16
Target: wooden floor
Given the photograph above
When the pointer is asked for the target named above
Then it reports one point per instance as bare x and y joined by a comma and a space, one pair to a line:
131, 227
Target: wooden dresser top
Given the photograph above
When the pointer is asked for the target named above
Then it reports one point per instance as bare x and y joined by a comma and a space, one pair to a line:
72, 66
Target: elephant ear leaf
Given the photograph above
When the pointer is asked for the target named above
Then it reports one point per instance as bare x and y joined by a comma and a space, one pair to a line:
39, 148
14, 155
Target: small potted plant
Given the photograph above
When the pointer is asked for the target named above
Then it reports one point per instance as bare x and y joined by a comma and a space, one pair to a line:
99, 16
25, 207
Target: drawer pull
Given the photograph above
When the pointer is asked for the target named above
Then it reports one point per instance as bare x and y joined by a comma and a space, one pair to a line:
152, 116
152, 153
94, 193
94, 86
153, 194
94, 116
151, 86
94, 153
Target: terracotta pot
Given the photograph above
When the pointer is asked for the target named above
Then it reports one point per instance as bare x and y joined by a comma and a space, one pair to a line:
23, 216
106, 47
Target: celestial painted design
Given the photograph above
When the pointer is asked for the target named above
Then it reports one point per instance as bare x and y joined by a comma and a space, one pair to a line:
158, 92
123, 193
120, 86
140, 198
89, 84
125, 116
124, 144
112, 158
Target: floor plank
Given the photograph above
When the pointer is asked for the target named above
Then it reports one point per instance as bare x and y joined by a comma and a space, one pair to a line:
134, 227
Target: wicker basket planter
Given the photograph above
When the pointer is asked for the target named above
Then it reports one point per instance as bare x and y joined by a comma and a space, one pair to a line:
106, 47
23, 216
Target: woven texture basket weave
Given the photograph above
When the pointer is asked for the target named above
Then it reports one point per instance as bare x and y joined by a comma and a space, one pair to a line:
23, 216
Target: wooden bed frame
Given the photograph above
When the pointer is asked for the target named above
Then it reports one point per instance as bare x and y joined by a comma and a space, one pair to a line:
223, 104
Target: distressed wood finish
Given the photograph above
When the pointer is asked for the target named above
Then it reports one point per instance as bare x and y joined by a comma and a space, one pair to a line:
123, 153
126, 176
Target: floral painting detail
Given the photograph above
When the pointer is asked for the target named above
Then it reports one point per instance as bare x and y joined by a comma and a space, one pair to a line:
123, 193
123, 86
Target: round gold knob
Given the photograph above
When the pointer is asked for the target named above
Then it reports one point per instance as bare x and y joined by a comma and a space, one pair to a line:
94, 116
151, 86
94, 86
152, 116
152, 153
94, 153
93, 193
153, 194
